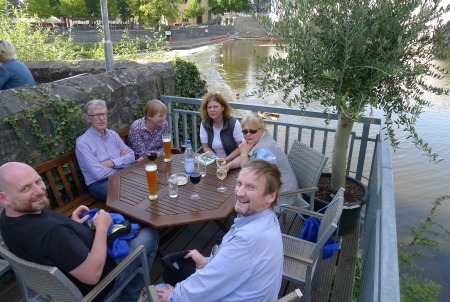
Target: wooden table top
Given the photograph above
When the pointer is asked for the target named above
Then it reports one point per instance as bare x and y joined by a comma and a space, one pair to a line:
128, 195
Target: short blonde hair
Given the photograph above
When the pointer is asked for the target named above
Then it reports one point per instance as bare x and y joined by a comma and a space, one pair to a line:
214, 96
153, 107
7, 50
254, 121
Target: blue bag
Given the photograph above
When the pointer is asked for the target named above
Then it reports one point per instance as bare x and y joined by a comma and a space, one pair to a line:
310, 231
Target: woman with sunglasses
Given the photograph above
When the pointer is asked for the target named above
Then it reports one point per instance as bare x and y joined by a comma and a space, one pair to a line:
13, 73
220, 132
258, 143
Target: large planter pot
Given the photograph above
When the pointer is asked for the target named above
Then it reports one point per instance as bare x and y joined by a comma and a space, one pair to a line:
352, 210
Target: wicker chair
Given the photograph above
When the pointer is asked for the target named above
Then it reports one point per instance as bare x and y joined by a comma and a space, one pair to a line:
307, 165
291, 297
50, 283
302, 258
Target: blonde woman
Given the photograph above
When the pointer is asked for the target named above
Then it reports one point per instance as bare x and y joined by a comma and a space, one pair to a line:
146, 132
258, 143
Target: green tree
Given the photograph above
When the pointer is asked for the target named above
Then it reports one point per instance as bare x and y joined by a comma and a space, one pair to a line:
155, 10
223, 6
351, 54
74, 8
193, 10
41, 8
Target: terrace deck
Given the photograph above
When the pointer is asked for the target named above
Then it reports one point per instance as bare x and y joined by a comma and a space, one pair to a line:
337, 272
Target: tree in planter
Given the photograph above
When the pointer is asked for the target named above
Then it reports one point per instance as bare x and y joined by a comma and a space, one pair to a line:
353, 54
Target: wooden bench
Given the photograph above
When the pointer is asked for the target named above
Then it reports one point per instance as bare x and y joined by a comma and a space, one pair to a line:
66, 187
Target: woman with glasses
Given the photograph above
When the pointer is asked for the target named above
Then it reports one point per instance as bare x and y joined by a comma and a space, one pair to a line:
13, 73
220, 132
258, 143
146, 132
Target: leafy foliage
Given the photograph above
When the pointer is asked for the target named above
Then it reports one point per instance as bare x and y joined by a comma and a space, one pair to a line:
189, 84
55, 124
357, 53
223, 6
34, 43
193, 10
426, 235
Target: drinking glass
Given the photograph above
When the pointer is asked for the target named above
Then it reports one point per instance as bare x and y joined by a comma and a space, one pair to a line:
167, 144
221, 161
195, 178
151, 170
201, 169
221, 174
152, 155
172, 181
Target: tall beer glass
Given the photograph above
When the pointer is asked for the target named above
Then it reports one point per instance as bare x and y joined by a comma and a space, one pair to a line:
167, 143
151, 171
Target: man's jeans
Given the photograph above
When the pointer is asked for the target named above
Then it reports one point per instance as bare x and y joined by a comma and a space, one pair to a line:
99, 189
149, 238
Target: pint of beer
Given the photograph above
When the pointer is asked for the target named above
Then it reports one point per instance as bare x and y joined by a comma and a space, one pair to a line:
151, 171
167, 143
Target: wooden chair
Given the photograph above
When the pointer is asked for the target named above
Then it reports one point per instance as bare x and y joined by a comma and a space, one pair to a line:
302, 258
50, 283
307, 165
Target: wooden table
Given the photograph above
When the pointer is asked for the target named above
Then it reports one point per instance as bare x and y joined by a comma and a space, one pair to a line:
128, 194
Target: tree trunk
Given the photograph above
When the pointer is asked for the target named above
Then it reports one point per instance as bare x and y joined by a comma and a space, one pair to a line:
340, 151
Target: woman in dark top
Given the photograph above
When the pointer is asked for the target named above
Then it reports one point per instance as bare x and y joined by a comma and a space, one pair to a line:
13, 73
219, 131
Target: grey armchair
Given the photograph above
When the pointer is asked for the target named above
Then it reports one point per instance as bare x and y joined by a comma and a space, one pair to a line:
302, 258
307, 165
50, 283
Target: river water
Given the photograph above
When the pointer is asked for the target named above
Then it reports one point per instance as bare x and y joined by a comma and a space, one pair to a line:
230, 68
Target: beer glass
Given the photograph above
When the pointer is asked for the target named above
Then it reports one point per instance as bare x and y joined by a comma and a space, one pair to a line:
167, 144
151, 170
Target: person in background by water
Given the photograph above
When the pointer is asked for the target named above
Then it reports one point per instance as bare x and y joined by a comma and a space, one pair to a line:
146, 132
258, 143
100, 151
13, 73
248, 264
220, 132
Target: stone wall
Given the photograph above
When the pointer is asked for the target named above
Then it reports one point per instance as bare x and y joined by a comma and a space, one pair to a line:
246, 26
123, 89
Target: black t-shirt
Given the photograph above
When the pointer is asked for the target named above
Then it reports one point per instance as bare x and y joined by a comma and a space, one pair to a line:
52, 239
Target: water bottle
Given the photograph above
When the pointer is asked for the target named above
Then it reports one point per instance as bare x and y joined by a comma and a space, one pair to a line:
188, 158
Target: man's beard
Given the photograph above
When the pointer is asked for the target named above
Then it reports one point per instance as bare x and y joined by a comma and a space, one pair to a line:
32, 206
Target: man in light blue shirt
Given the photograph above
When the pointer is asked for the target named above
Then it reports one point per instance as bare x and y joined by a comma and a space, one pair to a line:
100, 151
248, 264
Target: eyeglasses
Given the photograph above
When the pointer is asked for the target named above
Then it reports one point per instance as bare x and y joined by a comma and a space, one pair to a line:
98, 115
251, 131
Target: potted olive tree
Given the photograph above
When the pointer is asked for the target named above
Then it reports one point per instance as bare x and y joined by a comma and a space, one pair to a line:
355, 54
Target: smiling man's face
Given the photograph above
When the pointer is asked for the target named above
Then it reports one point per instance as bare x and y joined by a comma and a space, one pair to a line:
22, 190
249, 191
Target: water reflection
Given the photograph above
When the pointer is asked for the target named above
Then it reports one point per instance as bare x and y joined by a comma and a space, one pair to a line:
230, 69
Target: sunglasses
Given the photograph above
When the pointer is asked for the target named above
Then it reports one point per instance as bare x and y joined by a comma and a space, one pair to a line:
251, 131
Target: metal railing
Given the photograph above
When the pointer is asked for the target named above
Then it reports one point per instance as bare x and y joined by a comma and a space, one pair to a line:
369, 155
